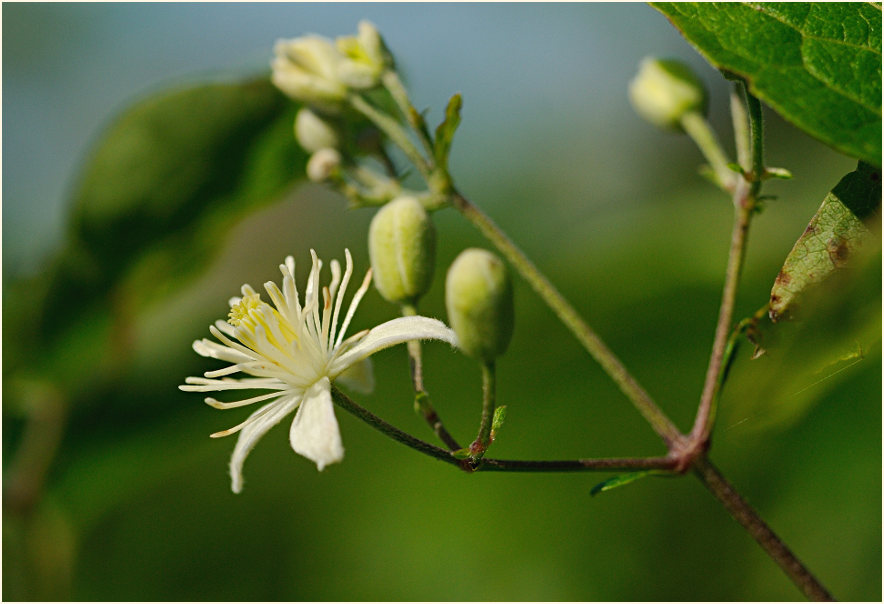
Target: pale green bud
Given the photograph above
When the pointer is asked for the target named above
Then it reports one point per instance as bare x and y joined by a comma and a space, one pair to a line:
479, 300
323, 164
664, 91
306, 69
314, 133
402, 247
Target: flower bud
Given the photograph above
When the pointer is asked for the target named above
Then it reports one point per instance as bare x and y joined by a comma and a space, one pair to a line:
402, 247
306, 69
366, 57
664, 91
314, 133
323, 164
479, 300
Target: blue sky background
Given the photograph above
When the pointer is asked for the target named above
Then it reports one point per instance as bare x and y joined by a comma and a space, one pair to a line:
68, 68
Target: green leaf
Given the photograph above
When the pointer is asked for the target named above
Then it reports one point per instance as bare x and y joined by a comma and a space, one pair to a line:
163, 185
619, 481
817, 64
497, 421
445, 131
834, 234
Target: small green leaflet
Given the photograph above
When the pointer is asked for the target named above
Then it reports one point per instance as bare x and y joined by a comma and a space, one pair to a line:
621, 480
445, 131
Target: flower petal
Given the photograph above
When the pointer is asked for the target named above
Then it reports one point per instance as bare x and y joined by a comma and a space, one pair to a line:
389, 334
314, 433
266, 417
358, 377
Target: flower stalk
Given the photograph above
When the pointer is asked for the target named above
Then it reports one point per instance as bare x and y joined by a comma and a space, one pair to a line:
422, 402
489, 395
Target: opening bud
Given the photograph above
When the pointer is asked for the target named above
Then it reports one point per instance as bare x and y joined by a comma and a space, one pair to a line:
323, 164
402, 247
479, 301
306, 69
664, 91
314, 132
365, 57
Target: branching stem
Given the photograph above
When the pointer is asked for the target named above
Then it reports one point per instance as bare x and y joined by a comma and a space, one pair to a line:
500, 465
744, 200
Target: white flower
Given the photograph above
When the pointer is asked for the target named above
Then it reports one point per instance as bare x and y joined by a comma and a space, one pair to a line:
296, 353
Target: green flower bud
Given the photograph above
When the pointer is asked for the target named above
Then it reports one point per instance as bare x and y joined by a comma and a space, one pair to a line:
664, 91
402, 247
479, 300
314, 133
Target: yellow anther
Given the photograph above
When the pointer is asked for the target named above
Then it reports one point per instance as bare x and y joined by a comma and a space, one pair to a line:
240, 312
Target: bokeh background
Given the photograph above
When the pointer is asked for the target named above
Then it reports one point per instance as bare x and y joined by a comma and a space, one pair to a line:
114, 491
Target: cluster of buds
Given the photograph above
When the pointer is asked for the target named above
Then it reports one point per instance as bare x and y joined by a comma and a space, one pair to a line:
321, 74
331, 79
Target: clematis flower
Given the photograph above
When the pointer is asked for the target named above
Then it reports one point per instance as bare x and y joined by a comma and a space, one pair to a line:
295, 353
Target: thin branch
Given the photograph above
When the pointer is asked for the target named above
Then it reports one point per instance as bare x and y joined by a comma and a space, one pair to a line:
346, 403
743, 513
489, 388
744, 207
609, 464
501, 465
572, 320
422, 399
696, 126
705, 412
397, 90
393, 130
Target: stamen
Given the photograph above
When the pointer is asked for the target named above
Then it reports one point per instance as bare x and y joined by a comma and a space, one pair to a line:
348, 272
233, 405
357, 297
326, 316
336, 277
240, 312
255, 416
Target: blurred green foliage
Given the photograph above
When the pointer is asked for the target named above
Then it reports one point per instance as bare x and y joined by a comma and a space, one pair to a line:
190, 194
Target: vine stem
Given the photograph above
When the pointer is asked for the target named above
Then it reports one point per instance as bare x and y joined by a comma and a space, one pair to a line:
612, 464
422, 402
572, 320
744, 200
743, 513
744, 209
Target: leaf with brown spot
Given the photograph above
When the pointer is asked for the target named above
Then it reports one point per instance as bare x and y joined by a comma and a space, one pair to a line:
834, 234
